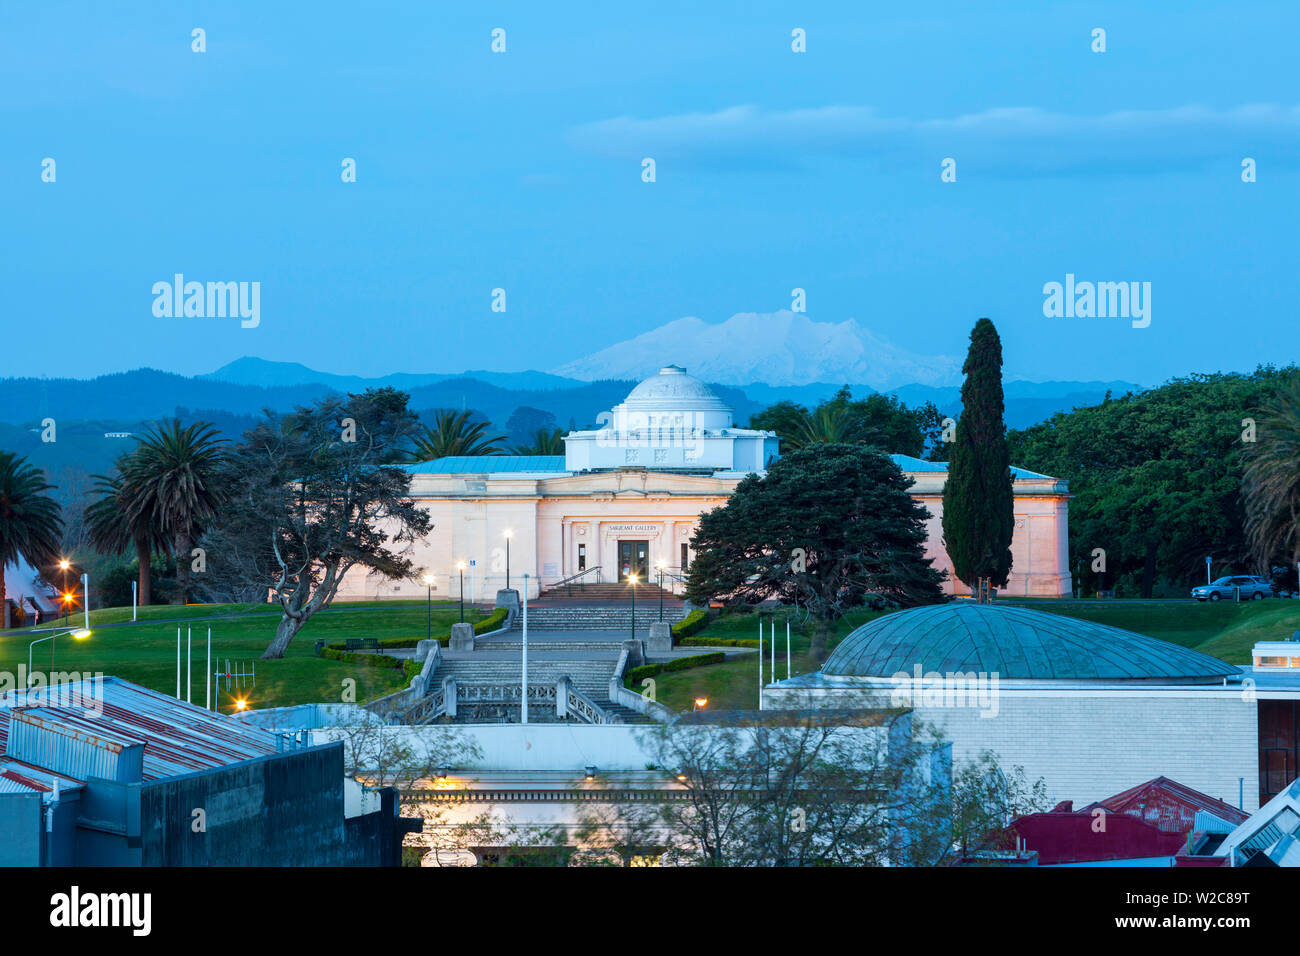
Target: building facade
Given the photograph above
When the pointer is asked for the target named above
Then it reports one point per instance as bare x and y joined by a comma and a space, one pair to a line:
625, 499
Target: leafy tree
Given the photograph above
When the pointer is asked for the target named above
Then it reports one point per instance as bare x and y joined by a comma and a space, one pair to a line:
453, 434
808, 788
1271, 482
881, 421
113, 530
30, 525
825, 527
172, 486
544, 443
525, 422
1155, 477
314, 495
978, 517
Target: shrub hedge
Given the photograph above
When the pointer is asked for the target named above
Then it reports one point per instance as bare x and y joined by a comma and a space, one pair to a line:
721, 642
489, 623
638, 674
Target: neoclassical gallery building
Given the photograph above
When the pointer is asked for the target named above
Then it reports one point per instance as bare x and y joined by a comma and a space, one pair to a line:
624, 499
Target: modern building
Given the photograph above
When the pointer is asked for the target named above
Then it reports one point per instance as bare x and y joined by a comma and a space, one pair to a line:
103, 772
1091, 709
512, 789
625, 499
27, 598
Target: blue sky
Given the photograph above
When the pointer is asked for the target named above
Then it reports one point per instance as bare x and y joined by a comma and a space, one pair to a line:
522, 170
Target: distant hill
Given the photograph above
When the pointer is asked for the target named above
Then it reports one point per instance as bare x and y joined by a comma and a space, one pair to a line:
268, 374
234, 397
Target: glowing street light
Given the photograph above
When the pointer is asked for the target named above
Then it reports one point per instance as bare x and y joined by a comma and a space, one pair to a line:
659, 565
428, 617
509, 534
64, 564
460, 568
79, 635
631, 579
701, 703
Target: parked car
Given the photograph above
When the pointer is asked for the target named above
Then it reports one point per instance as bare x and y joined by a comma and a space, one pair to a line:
1252, 589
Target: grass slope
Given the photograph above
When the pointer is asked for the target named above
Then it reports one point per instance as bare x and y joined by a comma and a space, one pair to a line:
145, 652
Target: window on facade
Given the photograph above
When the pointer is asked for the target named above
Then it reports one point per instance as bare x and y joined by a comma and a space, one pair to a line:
686, 557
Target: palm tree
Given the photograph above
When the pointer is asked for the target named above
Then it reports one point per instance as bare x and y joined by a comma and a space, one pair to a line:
113, 532
545, 442
831, 424
1270, 486
173, 486
30, 524
454, 434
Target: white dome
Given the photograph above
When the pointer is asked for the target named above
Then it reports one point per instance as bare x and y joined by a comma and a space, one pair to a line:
673, 390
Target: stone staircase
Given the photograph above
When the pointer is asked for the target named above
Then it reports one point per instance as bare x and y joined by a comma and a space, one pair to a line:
597, 617
608, 593
591, 677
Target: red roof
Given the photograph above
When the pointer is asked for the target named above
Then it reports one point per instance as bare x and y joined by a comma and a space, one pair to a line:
1150, 820
1168, 805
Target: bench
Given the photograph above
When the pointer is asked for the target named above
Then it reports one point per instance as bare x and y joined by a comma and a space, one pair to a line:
362, 644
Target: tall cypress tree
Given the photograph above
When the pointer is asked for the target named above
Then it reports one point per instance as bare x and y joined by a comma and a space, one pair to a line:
977, 511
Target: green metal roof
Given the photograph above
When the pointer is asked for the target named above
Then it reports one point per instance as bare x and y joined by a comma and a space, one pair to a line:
1016, 644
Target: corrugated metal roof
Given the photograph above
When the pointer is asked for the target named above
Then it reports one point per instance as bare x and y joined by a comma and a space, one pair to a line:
488, 464
176, 737
1172, 806
16, 776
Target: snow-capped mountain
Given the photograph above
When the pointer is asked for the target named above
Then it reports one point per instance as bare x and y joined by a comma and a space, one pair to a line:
777, 348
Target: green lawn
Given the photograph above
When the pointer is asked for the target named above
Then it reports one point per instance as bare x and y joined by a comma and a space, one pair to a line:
734, 683
1223, 629
145, 652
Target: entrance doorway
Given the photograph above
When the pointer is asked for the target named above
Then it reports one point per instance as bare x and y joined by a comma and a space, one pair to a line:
633, 558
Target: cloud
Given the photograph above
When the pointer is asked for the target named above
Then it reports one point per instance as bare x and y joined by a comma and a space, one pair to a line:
1008, 140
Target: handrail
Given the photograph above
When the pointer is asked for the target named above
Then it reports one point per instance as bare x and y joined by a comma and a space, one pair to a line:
568, 582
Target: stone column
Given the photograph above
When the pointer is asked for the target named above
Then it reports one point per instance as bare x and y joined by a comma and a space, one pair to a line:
661, 638
462, 637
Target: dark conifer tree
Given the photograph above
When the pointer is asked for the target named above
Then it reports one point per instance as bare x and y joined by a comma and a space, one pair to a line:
977, 511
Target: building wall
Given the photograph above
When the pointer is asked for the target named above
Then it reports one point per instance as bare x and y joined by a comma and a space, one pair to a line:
20, 829
285, 810
549, 516
1091, 745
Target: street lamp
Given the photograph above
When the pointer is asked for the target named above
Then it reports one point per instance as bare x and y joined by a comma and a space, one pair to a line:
631, 579
64, 564
660, 566
428, 618
701, 703
77, 634
508, 533
460, 568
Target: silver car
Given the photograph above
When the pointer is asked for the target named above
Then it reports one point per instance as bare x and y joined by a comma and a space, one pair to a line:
1252, 589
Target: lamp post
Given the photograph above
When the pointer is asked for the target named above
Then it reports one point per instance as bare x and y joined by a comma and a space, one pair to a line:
64, 564
523, 677
428, 617
460, 569
660, 566
508, 534
79, 635
631, 579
